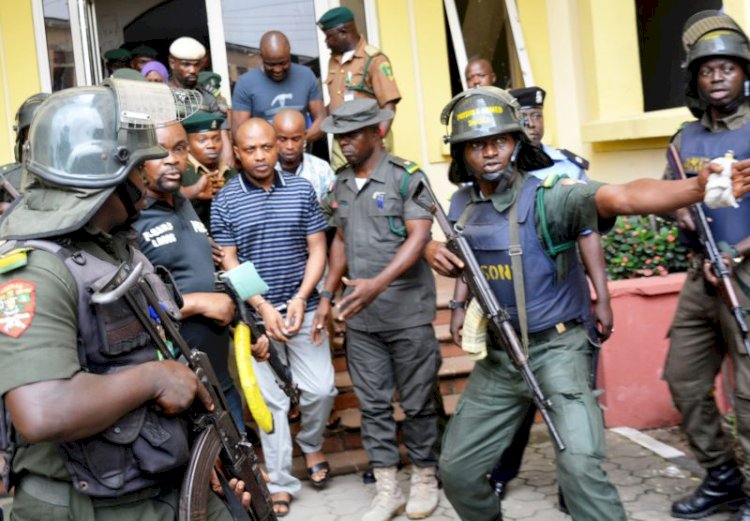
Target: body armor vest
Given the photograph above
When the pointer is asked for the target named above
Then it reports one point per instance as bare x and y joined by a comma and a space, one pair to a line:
143, 447
549, 298
699, 146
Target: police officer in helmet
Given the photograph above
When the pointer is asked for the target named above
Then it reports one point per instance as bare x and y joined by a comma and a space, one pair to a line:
491, 150
13, 172
703, 331
97, 418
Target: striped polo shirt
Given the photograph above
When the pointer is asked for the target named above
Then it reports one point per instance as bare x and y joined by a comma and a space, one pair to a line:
270, 229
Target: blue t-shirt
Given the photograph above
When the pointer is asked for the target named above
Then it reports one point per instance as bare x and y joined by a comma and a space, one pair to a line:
263, 97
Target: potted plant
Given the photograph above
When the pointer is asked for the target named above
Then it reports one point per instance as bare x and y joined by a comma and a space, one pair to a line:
646, 265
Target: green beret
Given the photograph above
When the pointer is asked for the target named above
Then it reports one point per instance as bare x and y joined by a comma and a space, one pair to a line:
128, 74
202, 122
335, 17
115, 55
144, 50
206, 77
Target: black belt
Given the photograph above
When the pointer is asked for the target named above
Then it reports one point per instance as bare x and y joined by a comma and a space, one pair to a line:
553, 332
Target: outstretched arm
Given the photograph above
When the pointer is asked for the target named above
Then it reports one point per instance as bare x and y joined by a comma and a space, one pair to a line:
644, 196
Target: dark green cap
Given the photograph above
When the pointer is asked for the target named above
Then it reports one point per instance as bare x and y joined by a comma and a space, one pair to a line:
209, 77
202, 122
115, 55
335, 17
128, 74
144, 50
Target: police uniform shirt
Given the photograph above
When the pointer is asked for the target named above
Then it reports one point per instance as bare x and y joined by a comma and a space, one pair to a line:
563, 165
378, 78
174, 237
368, 218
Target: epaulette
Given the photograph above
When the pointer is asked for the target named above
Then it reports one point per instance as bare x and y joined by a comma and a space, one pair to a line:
575, 158
372, 51
14, 259
410, 166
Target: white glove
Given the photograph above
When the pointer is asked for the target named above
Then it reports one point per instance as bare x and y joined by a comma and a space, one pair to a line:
719, 186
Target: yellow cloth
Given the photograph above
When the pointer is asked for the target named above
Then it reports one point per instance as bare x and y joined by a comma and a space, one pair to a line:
474, 337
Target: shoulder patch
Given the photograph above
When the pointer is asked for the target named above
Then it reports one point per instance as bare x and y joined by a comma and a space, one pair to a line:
387, 71
410, 166
371, 50
575, 158
14, 259
552, 179
17, 306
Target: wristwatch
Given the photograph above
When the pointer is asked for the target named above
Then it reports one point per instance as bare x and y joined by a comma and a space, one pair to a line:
326, 294
455, 304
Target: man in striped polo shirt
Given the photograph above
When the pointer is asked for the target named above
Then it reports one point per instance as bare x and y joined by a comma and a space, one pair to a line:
273, 219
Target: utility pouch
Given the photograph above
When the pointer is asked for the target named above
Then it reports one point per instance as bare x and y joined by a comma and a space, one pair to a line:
7, 447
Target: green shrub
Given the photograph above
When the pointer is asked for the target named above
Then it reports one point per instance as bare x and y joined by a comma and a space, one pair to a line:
643, 247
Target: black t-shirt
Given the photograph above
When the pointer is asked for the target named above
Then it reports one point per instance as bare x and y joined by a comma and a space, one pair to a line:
174, 237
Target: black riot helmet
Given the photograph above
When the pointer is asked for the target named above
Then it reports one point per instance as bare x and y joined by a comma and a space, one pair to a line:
24, 115
82, 145
482, 112
709, 34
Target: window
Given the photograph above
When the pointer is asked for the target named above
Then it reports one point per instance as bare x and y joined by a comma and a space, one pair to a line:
481, 29
660, 24
59, 44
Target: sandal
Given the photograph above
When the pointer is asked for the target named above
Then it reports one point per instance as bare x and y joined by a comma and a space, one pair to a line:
283, 504
319, 467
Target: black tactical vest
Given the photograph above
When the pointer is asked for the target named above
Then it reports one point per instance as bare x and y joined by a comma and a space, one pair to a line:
144, 447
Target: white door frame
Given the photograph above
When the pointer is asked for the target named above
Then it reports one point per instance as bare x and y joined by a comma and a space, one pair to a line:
459, 48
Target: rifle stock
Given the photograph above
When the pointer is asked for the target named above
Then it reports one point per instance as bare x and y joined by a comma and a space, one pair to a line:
713, 254
498, 317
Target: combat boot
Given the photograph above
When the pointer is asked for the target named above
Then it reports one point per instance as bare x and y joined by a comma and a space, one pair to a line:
423, 495
721, 489
388, 501
744, 513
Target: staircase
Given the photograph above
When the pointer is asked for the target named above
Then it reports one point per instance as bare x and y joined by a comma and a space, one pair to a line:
343, 445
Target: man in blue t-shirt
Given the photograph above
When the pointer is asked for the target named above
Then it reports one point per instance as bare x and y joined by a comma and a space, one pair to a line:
279, 84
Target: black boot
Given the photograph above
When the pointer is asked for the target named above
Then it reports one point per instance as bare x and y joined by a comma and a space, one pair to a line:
721, 489
744, 512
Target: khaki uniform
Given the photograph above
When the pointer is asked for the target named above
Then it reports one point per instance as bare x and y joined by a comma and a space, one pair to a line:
47, 350
350, 80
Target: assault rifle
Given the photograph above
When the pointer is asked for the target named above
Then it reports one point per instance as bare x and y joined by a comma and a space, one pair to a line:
713, 253
219, 437
498, 317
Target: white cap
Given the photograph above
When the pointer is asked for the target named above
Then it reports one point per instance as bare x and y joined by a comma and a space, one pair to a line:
186, 48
